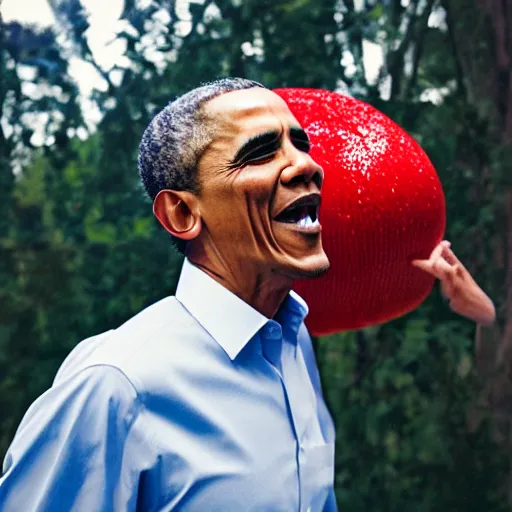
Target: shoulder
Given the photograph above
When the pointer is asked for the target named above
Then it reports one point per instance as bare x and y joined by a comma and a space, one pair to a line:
78, 407
73, 439
138, 347
98, 389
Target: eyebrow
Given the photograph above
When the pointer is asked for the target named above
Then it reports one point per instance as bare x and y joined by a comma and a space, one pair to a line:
268, 138
299, 134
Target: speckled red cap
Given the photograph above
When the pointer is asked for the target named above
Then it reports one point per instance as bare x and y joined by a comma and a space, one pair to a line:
382, 206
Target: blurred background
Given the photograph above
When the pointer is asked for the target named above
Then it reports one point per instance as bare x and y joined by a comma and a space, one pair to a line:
423, 404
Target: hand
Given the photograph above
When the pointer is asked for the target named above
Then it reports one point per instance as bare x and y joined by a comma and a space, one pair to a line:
463, 293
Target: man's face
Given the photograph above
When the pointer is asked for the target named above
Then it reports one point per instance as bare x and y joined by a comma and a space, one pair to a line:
259, 188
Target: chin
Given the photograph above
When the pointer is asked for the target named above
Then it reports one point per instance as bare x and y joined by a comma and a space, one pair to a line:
316, 271
309, 267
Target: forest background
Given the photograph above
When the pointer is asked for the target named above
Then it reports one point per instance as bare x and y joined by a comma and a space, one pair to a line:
423, 404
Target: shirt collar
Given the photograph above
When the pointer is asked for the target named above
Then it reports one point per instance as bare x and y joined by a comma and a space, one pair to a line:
226, 317
284, 328
292, 312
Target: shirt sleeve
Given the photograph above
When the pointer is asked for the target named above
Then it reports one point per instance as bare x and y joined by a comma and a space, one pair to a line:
70, 451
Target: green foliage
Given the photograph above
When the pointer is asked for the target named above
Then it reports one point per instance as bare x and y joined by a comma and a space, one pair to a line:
80, 251
399, 394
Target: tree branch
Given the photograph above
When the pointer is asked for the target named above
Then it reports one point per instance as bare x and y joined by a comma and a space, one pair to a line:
396, 58
355, 36
461, 86
418, 49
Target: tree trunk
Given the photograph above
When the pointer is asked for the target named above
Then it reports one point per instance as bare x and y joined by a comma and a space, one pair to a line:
482, 33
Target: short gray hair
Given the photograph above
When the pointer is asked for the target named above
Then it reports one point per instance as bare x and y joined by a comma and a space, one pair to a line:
175, 139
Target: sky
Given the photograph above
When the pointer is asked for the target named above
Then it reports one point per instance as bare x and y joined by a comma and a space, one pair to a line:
39, 11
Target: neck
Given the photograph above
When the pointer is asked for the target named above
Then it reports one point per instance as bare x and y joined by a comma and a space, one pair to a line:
262, 289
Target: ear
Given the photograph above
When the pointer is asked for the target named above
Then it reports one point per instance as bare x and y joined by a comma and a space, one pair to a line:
176, 212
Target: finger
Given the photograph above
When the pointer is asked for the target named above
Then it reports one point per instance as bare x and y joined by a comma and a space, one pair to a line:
438, 268
425, 265
448, 289
442, 269
450, 257
437, 252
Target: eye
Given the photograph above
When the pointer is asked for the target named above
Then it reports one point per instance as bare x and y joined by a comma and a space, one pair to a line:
261, 154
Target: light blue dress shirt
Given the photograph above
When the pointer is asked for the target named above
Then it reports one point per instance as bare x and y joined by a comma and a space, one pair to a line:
198, 403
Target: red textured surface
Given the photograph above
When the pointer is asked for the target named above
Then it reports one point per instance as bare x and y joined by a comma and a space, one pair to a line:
382, 206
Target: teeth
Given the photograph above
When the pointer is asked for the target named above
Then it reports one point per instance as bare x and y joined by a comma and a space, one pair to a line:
307, 222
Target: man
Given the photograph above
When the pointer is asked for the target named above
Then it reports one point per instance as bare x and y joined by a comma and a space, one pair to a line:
209, 400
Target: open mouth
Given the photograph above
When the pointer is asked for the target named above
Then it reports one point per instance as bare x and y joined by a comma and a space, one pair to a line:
302, 213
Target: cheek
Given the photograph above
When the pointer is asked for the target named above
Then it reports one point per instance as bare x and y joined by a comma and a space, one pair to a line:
249, 191
237, 206
233, 211
256, 185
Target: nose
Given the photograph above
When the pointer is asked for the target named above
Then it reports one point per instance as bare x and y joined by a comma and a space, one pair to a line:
302, 169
